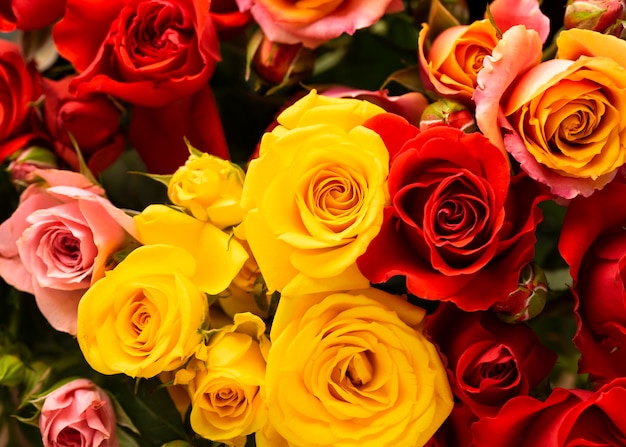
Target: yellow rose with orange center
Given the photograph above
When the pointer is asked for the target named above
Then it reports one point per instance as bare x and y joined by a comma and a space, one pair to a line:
224, 381
455, 57
315, 195
353, 369
145, 316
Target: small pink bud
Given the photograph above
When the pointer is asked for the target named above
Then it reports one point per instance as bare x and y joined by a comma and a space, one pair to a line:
598, 15
279, 63
24, 163
528, 300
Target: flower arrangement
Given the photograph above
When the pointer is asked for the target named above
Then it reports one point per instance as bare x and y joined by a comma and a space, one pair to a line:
322, 223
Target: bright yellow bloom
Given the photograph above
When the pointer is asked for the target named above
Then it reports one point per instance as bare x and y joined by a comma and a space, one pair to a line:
210, 188
224, 381
353, 369
144, 317
315, 195
218, 256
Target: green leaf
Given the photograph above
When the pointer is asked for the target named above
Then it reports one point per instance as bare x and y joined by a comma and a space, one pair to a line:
81, 161
408, 77
122, 418
149, 407
125, 439
177, 444
440, 18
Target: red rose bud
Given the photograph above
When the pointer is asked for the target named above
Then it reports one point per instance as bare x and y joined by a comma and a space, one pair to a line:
279, 63
446, 112
528, 300
597, 15
23, 164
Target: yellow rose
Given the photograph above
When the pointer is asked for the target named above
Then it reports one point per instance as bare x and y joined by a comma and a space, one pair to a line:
224, 381
569, 114
219, 257
353, 369
315, 195
209, 188
145, 316
456, 56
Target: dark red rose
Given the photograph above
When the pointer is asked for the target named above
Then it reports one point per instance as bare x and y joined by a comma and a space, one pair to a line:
19, 89
158, 133
27, 15
488, 361
146, 52
93, 120
593, 243
566, 418
459, 228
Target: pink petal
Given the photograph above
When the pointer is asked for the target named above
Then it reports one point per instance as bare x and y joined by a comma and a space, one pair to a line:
508, 13
518, 50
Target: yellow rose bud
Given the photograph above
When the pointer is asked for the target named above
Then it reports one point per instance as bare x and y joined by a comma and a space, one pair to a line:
353, 369
224, 381
210, 188
315, 195
218, 255
145, 316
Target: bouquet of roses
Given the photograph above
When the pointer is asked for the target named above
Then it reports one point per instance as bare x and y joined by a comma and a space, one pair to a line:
312, 223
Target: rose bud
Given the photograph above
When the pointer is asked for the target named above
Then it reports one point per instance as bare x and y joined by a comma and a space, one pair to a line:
446, 112
24, 163
596, 15
280, 63
528, 300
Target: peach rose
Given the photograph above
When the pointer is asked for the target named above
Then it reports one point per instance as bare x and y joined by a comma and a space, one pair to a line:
563, 119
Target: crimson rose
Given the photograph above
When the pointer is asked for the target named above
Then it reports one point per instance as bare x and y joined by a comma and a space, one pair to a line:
566, 418
19, 88
459, 228
488, 361
593, 243
146, 52
29, 15
92, 120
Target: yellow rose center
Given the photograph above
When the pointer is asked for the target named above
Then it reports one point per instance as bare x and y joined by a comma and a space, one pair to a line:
138, 323
334, 197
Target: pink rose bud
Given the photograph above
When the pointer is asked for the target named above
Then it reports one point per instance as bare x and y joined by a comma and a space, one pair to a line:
280, 63
446, 112
24, 163
597, 15
528, 300
78, 414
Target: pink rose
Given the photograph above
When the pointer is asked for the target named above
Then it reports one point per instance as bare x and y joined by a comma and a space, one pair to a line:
78, 414
57, 242
314, 23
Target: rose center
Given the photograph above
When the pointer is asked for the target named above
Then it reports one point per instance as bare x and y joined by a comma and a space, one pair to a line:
70, 437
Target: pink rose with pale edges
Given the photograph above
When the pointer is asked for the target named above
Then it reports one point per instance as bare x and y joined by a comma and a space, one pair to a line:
58, 240
78, 414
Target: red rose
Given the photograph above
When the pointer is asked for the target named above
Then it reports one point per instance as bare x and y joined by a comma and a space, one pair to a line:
146, 52
488, 361
593, 243
93, 120
195, 117
19, 88
459, 228
29, 15
566, 418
